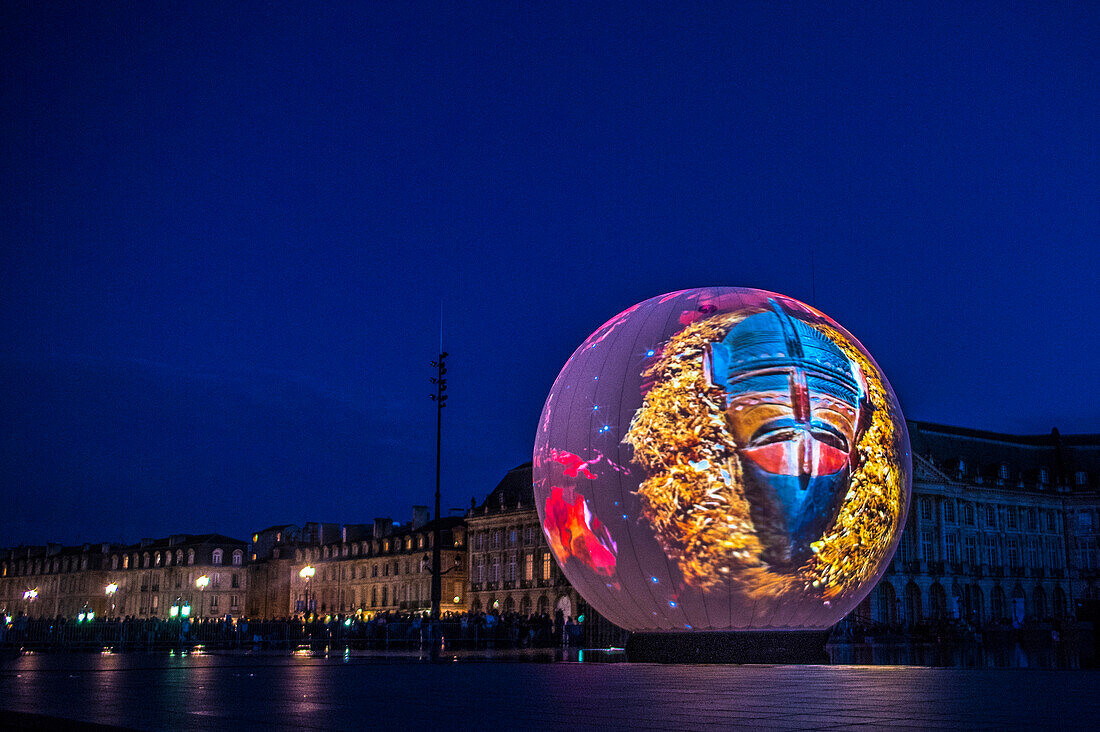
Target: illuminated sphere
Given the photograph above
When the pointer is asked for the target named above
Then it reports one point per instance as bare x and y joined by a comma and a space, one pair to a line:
722, 459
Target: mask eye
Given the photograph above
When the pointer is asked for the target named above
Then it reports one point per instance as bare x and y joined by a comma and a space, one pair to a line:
771, 436
830, 438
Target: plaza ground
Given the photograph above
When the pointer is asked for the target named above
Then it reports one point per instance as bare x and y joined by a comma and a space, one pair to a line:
402, 691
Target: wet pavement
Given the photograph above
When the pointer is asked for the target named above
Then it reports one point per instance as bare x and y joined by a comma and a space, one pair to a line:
251, 691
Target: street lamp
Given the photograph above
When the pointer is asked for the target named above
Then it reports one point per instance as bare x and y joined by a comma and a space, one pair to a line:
28, 597
111, 590
306, 574
201, 583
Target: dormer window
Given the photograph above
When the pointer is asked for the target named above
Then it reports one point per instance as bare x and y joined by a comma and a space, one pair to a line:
1081, 478
1002, 471
960, 469
216, 557
1044, 476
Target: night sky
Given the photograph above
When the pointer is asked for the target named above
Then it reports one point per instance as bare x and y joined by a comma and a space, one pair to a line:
227, 230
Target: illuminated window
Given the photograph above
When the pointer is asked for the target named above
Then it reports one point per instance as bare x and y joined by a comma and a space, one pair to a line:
216, 557
238, 557
529, 567
126, 562
545, 565
510, 568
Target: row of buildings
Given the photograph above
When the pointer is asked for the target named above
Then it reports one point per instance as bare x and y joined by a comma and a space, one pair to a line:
1000, 527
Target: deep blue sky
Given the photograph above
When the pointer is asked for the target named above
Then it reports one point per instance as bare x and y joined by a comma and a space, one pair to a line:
226, 231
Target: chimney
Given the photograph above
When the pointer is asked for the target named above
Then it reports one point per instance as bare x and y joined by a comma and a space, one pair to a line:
382, 527
420, 516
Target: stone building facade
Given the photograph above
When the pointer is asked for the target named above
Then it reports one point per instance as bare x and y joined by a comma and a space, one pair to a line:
358, 569
1001, 528
511, 567
143, 580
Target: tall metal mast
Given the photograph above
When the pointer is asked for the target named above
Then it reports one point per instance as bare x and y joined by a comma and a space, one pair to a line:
440, 399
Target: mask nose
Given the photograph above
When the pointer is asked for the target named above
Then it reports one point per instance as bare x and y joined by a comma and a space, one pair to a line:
802, 455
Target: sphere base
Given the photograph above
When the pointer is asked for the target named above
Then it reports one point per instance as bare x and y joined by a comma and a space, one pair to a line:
747, 646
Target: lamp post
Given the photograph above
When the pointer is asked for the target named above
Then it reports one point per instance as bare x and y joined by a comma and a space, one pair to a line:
440, 399
201, 583
111, 589
307, 573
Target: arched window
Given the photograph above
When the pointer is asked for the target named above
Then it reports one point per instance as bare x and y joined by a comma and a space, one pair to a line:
179, 556
297, 555
190, 556
238, 557
997, 603
216, 556
168, 559
114, 561
1039, 602
145, 559
937, 599
156, 559
887, 604
126, 561
976, 602
1059, 602
1019, 602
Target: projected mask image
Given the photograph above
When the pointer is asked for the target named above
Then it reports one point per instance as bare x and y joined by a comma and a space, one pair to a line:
722, 458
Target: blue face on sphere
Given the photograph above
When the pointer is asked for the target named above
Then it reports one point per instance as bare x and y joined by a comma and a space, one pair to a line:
793, 404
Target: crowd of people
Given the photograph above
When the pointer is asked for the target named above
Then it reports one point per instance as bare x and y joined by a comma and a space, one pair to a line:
387, 630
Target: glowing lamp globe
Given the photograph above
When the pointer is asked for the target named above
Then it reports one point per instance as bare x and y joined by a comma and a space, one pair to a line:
722, 459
